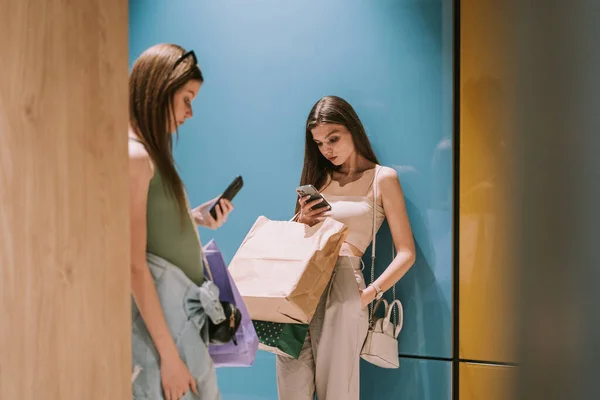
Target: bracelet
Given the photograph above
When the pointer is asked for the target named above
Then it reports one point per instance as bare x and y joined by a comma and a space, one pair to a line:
378, 291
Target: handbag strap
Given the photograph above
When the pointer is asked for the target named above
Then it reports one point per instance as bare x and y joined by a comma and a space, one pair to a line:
373, 244
397, 325
375, 307
374, 237
206, 264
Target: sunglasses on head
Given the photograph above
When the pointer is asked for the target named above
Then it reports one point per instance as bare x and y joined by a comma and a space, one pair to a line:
184, 56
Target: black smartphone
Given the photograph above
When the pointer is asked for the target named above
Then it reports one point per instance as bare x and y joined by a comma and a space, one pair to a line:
229, 193
310, 190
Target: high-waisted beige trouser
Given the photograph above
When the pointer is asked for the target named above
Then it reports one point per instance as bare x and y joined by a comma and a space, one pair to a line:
329, 360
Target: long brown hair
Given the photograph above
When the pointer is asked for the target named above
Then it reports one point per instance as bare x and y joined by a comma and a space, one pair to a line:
331, 110
155, 77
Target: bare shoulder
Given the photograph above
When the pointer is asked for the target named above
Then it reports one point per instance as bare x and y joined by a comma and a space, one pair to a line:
387, 176
389, 184
140, 164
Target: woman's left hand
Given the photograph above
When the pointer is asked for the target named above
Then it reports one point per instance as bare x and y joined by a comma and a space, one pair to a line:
203, 217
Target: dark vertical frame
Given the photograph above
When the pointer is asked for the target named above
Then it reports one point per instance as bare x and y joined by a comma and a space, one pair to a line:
456, 199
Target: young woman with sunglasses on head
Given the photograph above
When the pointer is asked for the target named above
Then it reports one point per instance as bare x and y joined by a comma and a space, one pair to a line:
340, 163
164, 81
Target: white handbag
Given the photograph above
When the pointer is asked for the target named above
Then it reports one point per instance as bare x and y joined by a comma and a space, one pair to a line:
381, 344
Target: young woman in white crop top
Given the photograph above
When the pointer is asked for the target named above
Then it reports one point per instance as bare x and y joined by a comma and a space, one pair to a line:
340, 162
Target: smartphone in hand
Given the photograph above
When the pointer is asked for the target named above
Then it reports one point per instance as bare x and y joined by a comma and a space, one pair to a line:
310, 190
229, 193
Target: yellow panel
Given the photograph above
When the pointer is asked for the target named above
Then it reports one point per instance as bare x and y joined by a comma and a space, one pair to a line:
486, 382
487, 85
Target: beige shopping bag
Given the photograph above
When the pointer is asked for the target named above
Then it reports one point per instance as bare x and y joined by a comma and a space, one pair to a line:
282, 267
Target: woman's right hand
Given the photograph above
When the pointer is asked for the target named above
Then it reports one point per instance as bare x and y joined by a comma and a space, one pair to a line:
309, 216
176, 378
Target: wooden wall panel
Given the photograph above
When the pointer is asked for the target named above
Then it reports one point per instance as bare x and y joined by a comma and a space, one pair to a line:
64, 232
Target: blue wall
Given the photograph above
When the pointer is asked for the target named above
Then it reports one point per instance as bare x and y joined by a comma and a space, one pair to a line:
266, 62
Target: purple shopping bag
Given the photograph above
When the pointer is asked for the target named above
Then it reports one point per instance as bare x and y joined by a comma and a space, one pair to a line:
230, 355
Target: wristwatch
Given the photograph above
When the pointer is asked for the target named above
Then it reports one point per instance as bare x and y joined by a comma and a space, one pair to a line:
378, 291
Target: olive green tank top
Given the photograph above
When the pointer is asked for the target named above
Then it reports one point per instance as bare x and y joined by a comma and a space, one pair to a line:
168, 235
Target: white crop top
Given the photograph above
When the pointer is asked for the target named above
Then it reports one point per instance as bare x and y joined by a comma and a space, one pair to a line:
356, 212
